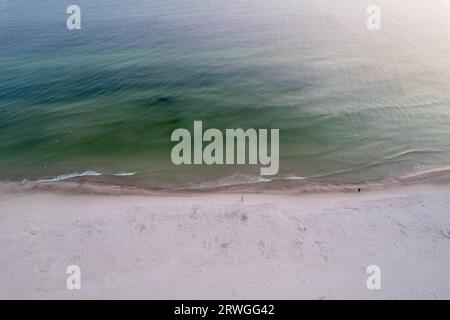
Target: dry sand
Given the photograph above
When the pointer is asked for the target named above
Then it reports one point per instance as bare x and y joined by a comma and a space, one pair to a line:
227, 246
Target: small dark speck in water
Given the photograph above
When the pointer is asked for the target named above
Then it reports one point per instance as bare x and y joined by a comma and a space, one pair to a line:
165, 99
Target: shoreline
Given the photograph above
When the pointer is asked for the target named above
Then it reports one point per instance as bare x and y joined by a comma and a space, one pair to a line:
227, 246
84, 185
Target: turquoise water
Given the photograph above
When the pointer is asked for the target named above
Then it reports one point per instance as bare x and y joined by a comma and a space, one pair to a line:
352, 105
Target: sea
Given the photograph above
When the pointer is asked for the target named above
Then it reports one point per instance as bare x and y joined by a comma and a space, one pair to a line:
354, 105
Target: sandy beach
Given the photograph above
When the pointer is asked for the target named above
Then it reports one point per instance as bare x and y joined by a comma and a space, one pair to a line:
226, 246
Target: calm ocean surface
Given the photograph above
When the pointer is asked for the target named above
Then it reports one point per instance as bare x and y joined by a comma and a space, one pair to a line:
352, 105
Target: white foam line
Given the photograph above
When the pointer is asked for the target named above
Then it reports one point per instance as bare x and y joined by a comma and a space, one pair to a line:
294, 178
124, 174
71, 175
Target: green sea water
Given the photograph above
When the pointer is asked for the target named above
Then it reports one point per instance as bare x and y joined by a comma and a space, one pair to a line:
352, 105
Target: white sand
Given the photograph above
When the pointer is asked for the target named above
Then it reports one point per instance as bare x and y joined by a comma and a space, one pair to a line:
218, 246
